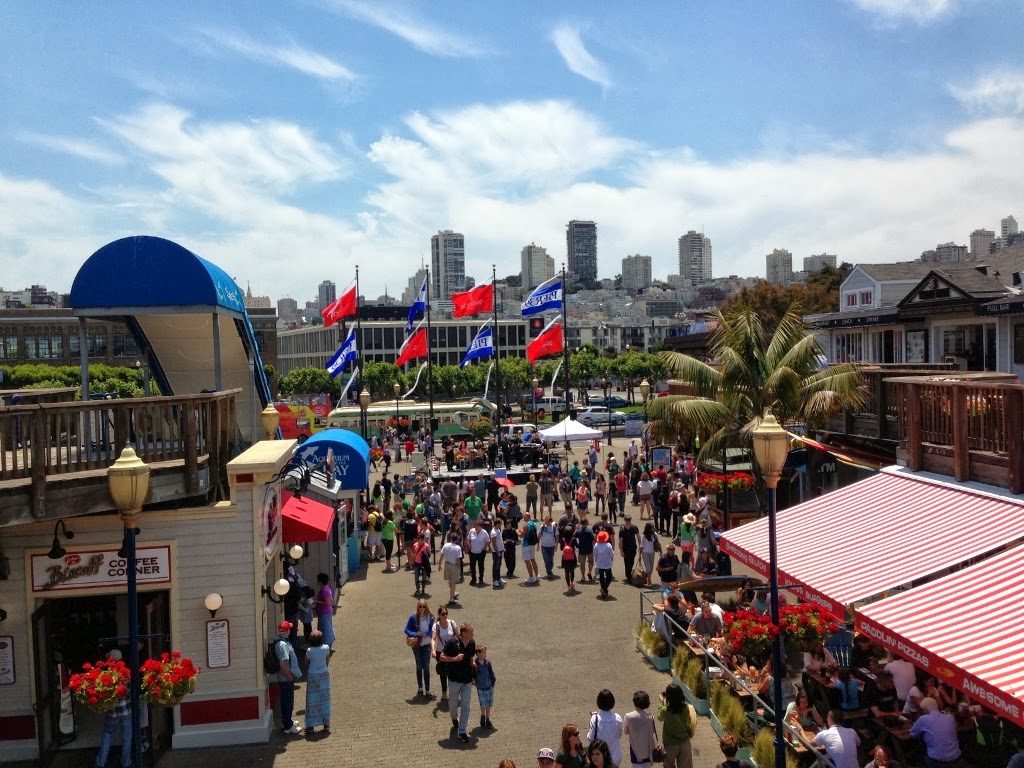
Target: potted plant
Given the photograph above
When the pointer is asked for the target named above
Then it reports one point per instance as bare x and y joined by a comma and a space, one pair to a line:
762, 754
750, 634
102, 685
653, 645
728, 715
695, 686
169, 679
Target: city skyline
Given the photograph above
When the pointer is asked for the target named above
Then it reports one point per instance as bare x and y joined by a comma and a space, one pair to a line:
290, 144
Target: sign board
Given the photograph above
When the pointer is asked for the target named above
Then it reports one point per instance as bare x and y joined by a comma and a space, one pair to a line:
634, 424
99, 568
218, 644
270, 515
6, 660
661, 455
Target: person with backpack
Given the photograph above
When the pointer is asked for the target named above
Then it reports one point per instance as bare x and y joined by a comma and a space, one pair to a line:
679, 721
374, 526
569, 560
409, 531
287, 673
548, 544
566, 487
421, 560
530, 538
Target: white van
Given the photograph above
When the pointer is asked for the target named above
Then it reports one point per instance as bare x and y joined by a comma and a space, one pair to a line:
549, 404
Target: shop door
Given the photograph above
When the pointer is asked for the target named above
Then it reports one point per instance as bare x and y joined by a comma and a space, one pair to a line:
154, 627
47, 704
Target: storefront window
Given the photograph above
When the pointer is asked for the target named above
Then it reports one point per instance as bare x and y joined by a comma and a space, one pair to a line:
8, 347
1018, 344
44, 347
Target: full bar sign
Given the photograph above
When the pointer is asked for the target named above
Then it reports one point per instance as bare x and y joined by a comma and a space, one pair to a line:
99, 568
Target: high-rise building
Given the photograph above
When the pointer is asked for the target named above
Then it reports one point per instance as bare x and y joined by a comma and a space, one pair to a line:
255, 302
950, 253
581, 250
695, 257
636, 273
413, 288
448, 264
981, 243
780, 266
819, 261
326, 294
536, 266
1007, 227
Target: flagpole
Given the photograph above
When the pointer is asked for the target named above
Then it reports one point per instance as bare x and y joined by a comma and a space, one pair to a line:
430, 368
359, 350
497, 354
565, 342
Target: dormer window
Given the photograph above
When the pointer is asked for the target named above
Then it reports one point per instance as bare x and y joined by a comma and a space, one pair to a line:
851, 300
865, 298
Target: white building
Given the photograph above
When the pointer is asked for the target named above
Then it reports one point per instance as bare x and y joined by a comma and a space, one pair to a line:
780, 266
636, 273
535, 266
326, 293
950, 253
819, 261
412, 289
981, 243
695, 257
448, 263
1007, 230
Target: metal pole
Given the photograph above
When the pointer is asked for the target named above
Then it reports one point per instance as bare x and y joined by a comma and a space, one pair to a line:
218, 379
430, 364
565, 345
133, 644
497, 352
607, 393
725, 511
359, 344
777, 665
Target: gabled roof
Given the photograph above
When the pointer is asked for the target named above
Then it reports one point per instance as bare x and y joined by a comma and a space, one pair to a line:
901, 270
964, 283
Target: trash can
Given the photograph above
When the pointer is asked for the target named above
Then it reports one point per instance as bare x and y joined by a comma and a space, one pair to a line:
353, 554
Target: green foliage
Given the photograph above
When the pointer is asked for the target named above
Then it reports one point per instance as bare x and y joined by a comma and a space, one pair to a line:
681, 659
694, 678
308, 381
379, 378
771, 301
515, 374
651, 640
763, 751
481, 427
733, 716
107, 379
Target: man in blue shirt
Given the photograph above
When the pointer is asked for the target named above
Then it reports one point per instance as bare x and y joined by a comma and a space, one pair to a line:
289, 661
119, 718
938, 729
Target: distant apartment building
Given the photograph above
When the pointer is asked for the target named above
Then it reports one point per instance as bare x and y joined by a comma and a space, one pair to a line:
326, 293
448, 263
636, 273
819, 261
695, 257
779, 266
535, 265
412, 288
1008, 232
981, 243
256, 302
581, 250
37, 296
950, 253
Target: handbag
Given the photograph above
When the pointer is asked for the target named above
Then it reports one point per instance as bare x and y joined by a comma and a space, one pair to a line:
411, 641
658, 751
639, 577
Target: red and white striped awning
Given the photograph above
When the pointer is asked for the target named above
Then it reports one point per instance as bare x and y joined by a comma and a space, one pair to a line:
964, 628
892, 529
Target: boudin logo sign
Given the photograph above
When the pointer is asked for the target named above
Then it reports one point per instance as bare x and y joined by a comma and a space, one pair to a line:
99, 568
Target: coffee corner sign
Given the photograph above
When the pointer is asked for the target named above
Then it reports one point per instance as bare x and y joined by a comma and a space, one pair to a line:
99, 568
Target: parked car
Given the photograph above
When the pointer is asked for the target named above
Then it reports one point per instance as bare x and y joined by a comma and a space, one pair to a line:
597, 416
613, 402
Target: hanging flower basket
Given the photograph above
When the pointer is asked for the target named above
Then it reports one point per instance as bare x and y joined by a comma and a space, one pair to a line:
802, 627
102, 685
169, 679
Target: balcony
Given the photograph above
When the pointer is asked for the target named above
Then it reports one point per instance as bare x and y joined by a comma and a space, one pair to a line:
968, 426
54, 456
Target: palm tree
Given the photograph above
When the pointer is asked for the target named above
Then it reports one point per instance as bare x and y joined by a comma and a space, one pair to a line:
753, 371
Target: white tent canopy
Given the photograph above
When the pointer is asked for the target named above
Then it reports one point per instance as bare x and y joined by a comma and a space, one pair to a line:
569, 429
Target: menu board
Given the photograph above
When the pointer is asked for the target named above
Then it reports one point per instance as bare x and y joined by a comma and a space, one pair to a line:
218, 644
6, 660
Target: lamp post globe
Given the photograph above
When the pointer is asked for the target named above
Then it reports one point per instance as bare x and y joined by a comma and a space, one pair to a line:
270, 419
364, 403
281, 587
296, 552
533, 394
213, 602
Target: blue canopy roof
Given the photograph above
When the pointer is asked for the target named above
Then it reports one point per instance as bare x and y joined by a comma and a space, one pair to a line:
351, 456
145, 271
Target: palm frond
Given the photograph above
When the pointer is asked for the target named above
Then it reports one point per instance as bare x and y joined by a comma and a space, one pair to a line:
705, 379
676, 416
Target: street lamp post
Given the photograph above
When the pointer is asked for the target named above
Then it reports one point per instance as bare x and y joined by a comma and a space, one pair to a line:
771, 448
535, 383
645, 395
398, 390
128, 480
607, 405
364, 403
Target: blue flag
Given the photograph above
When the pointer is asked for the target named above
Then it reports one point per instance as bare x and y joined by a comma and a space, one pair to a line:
546, 296
420, 305
482, 345
346, 354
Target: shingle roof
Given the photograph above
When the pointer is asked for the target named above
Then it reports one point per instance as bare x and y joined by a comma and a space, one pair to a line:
901, 270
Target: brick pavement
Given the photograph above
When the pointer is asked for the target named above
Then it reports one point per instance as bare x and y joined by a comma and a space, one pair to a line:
551, 654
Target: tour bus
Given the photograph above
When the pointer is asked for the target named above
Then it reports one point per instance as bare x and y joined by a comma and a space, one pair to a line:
303, 415
414, 413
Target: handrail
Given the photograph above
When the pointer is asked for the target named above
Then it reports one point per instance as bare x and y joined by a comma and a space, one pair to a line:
769, 712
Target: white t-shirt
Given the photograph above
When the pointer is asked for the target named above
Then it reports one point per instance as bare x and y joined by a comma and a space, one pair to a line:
607, 726
903, 676
604, 556
497, 543
477, 540
451, 552
645, 487
841, 745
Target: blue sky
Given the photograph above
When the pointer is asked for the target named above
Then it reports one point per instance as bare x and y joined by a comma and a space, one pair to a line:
290, 141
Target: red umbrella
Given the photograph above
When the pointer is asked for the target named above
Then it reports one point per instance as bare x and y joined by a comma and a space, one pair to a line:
505, 482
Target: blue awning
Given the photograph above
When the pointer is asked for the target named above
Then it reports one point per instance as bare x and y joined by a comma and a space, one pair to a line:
145, 271
351, 456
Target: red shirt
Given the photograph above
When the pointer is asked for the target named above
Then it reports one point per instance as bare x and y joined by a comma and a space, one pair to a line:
621, 483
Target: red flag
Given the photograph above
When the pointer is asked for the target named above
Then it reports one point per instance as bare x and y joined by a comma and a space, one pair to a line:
415, 347
340, 309
474, 301
548, 343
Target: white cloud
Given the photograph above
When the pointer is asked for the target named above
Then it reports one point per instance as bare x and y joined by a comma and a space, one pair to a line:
289, 55
422, 35
1000, 92
271, 203
577, 58
83, 148
919, 11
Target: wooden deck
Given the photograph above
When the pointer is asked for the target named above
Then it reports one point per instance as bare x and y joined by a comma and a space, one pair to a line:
53, 454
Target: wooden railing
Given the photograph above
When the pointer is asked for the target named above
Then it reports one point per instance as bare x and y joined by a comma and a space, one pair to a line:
971, 428
47, 440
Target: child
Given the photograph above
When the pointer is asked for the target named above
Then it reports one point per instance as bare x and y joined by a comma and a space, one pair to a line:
483, 675
306, 611
849, 694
